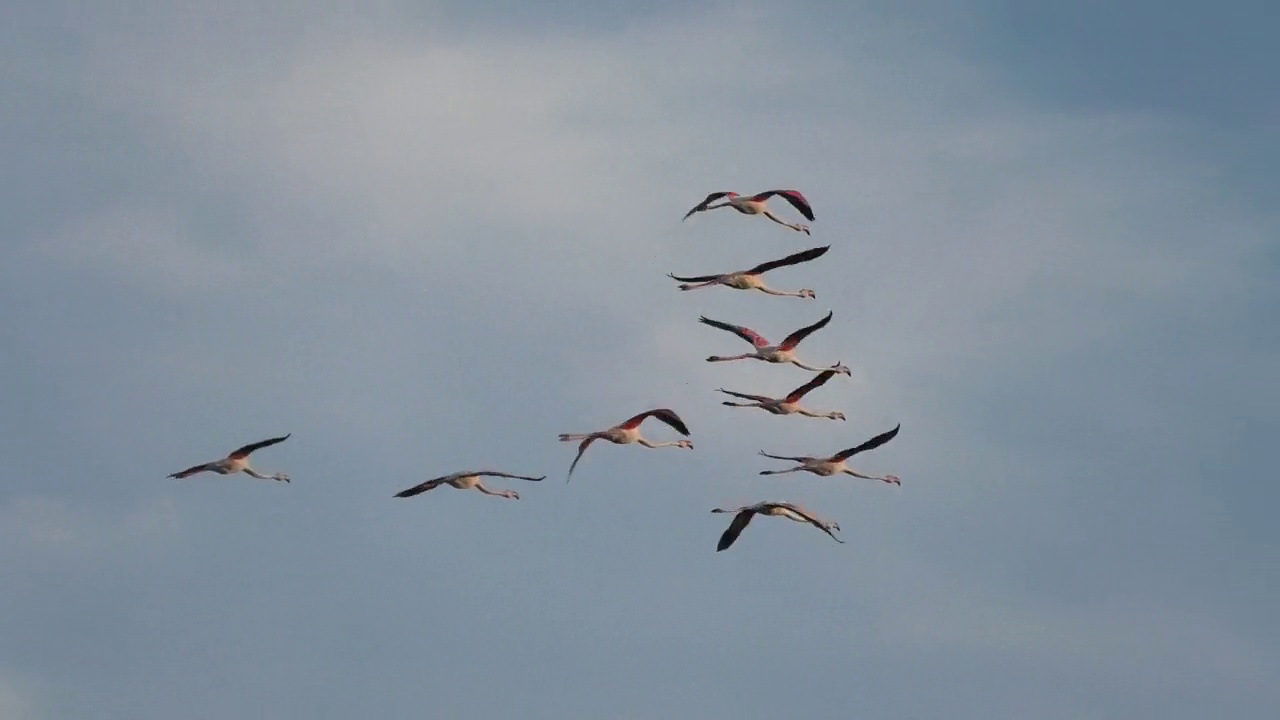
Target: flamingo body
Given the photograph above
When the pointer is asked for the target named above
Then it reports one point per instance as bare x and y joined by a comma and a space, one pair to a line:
757, 205
837, 464
469, 480
628, 432
235, 462
783, 352
751, 279
790, 511
789, 405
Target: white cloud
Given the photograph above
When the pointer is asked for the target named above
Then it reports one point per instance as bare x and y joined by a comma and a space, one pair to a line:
451, 238
52, 524
493, 177
145, 248
1113, 636
17, 700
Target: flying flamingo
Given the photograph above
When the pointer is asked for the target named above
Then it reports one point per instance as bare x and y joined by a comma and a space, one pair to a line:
468, 480
788, 405
755, 205
751, 280
629, 432
835, 464
237, 461
775, 509
781, 353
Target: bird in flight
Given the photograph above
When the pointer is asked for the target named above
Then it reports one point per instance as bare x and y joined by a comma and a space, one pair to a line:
237, 461
469, 480
751, 280
628, 432
783, 352
789, 405
743, 516
755, 205
835, 464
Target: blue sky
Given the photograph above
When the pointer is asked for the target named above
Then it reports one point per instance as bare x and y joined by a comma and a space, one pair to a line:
430, 237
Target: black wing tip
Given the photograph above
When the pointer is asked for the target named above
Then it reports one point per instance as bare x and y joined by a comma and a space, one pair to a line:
673, 420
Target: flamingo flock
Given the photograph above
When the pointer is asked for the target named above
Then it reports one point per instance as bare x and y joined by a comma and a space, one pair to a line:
628, 431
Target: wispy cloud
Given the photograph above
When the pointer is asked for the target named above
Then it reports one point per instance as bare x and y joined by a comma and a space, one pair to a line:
422, 244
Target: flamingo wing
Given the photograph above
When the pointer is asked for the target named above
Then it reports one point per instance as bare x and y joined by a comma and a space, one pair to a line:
496, 473
740, 521
871, 444
818, 381
785, 457
431, 484
190, 471
810, 518
797, 200
703, 205
745, 333
582, 447
744, 396
700, 278
244, 451
795, 259
794, 338
664, 414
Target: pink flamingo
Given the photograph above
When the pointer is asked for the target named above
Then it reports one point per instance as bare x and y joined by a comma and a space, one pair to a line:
628, 432
789, 405
237, 461
755, 205
751, 280
783, 352
835, 464
773, 509
469, 480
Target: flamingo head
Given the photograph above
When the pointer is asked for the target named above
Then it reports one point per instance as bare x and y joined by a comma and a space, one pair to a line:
686, 444
893, 479
836, 415
842, 369
807, 293
512, 494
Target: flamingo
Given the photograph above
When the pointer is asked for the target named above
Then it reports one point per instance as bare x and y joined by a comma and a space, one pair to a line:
237, 461
835, 464
755, 205
784, 352
469, 480
628, 432
789, 405
750, 279
775, 509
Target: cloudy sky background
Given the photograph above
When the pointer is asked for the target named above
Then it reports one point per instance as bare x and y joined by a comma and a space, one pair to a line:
424, 237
